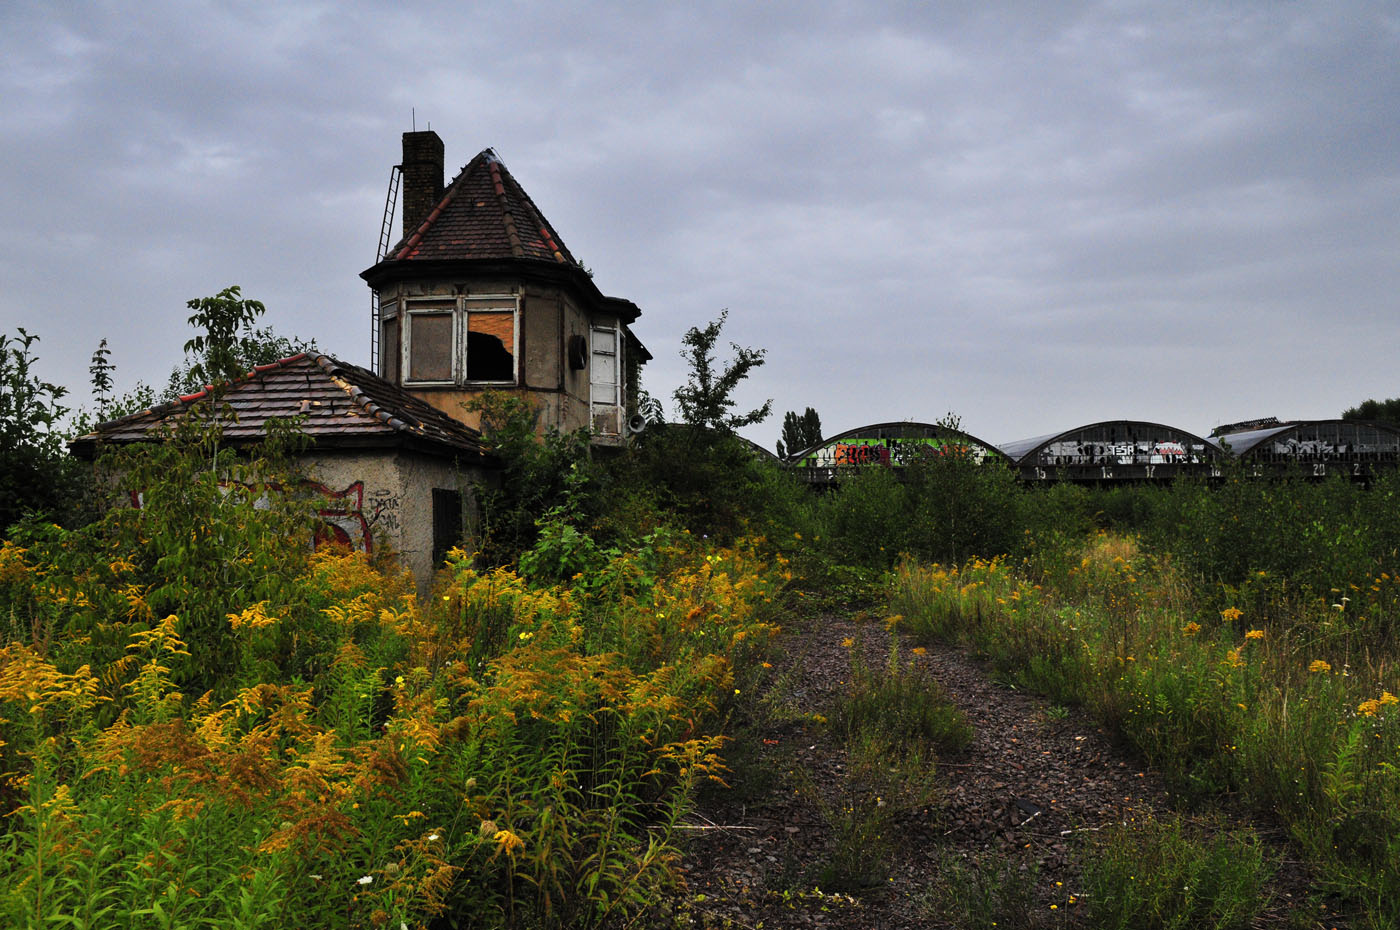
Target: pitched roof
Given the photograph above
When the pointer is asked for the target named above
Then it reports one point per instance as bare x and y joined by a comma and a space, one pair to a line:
339, 405
484, 214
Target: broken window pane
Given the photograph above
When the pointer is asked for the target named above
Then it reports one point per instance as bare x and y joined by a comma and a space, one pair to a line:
430, 347
491, 345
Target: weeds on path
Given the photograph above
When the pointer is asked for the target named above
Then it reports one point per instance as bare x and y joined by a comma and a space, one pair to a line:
1294, 710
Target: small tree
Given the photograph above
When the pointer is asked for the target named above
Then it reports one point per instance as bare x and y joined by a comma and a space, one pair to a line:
962, 503
35, 475
799, 432
539, 474
228, 346
101, 370
707, 397
1387, 411
107, 405
697, 473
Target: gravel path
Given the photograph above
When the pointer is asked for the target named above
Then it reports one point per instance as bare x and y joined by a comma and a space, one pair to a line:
1035, 783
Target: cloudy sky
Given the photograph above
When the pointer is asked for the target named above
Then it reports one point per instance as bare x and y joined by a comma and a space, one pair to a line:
1034, 215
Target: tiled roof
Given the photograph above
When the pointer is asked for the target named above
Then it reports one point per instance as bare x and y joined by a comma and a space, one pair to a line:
484, 214
339, 405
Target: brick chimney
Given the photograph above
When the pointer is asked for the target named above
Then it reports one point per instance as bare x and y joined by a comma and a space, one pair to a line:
422, 177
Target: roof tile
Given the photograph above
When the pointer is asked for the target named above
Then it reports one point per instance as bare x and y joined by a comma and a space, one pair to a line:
338, 404
484, 214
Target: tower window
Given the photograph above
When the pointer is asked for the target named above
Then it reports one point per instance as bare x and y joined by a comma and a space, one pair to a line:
467, 340
389, 349
430, 346
606, 392
490, 349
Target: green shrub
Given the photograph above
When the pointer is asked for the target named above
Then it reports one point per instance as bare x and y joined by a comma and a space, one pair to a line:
538, 474
36, 474
982, 895
962, 509
864, 520
895, 706
1168, 875
709, 482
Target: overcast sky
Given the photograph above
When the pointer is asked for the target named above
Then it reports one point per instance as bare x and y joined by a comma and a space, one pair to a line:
1033, 215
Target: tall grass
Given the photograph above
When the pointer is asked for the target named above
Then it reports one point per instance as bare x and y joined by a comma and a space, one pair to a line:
893, 721
1293, 709
1166, 875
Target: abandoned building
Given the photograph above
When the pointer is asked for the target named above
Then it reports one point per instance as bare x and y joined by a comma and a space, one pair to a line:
482, 294
479, 294
391, 470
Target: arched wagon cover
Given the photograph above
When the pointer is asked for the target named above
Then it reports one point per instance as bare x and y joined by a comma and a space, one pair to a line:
1319, 447
758, 450
684, 429
1111, 450
887, 444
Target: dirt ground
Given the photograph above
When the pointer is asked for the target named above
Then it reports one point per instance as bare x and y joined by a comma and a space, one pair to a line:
807, 837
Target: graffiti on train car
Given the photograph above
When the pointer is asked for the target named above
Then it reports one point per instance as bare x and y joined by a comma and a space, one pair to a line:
1141, 452
856, 451
1294, 448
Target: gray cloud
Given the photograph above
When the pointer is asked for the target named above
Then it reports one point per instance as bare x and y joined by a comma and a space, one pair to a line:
1035, 215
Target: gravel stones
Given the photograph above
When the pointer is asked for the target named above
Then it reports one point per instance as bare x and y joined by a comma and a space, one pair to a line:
1027, 787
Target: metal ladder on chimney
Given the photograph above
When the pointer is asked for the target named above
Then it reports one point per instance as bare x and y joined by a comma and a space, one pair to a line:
386, 231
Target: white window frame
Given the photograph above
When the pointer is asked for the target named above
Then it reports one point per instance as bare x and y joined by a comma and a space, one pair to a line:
428, 306
460, 307
618, 403
465, 309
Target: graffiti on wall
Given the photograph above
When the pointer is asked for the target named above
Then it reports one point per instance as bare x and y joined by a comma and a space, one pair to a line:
856, 451
1140, 452
342, 516
341, 513
1322, 450
383, 508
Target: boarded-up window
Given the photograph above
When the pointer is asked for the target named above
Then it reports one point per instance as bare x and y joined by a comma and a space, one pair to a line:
389, 349
447, 522
430, 347
490, 339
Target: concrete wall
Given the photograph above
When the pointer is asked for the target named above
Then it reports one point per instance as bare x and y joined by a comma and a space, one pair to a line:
384, 499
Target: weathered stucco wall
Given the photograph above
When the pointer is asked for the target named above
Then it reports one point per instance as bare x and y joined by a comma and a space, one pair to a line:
549, 317
576, 323
382, 498
539, 312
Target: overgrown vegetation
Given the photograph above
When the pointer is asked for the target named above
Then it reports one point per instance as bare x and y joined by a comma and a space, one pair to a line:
1166, 875
35, 476
893, 723
895, 712
540, 476
204, 721
1287, 701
